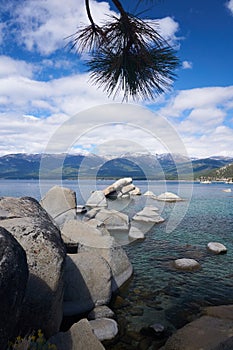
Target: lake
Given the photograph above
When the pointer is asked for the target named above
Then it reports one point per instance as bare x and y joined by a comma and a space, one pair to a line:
157, 293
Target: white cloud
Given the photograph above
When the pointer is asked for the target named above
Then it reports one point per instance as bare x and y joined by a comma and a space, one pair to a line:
32, 109
167, 27
45, 24
229, 5
186, 100
111, 126
200, 114
11, 67
23, 133
36, 109
187, 65
22, 93
202, 121
219, 143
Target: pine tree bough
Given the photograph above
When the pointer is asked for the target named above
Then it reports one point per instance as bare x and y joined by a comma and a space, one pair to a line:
127, 55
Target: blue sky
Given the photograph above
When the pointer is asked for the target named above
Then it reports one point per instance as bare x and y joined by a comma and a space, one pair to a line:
43, 85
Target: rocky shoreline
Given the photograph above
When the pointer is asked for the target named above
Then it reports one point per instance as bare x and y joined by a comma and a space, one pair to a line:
56, 263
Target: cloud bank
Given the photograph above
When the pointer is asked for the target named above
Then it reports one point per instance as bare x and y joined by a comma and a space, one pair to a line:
38, 95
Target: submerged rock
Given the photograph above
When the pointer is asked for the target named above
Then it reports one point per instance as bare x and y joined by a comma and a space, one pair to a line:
158, 328
186, 264
217, 248
204, 333
221, 311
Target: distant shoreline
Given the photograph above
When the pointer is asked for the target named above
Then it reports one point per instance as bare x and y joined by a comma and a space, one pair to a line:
107, 179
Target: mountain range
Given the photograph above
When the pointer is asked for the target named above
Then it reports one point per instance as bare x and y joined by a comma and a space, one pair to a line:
136, 165
225, 172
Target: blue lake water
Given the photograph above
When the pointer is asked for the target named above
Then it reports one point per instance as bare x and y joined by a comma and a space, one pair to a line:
163, 294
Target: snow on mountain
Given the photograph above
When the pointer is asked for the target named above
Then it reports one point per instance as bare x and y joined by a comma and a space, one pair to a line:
136, 165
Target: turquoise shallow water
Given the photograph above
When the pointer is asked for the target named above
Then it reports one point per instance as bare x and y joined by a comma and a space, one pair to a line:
157, 293
172, 297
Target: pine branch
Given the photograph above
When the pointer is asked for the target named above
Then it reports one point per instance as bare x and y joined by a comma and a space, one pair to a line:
127, 55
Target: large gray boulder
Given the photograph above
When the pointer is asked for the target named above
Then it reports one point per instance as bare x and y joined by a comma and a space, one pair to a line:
79, 337
126, 191
117, 186
148, 214
136, 192
116, 257
143, 221
75, 230
60, 203
225, 345
97, 199
87, 283
113, 219
32, 227
91, 214
99, 225
89, 240
137, 231
13, 281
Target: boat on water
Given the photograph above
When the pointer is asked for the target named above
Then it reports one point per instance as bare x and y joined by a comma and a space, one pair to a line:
227, 190
205, 181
